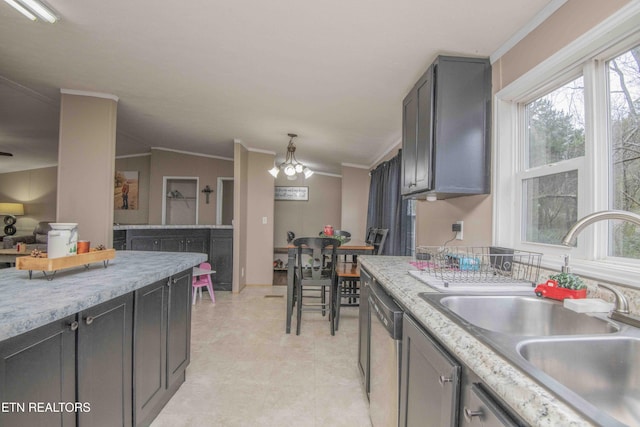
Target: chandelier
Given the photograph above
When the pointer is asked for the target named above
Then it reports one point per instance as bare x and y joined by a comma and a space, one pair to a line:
291, 167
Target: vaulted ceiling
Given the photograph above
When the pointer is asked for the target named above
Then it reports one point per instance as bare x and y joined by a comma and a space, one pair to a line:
196, 75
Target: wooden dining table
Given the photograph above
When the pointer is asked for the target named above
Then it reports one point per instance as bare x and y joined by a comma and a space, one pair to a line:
349, 248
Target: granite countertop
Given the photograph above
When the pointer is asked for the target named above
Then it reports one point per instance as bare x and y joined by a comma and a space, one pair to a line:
532, 402
160, 227
27, 304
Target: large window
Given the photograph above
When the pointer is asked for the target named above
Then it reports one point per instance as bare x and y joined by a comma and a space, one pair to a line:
554, 133
624, 125
568, 144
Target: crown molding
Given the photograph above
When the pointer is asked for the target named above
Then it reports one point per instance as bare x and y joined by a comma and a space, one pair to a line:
523, 32
88, 93
192, 153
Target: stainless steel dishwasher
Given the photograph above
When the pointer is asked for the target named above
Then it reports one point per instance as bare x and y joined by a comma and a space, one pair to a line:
385, 357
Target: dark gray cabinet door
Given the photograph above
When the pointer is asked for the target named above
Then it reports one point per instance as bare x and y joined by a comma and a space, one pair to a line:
171, 244
409, 141
142, 243
119, 240
199, 243
446, 129
221, 258
162, 342
430, 381
150, 356
39, 366
178, 327
105, 346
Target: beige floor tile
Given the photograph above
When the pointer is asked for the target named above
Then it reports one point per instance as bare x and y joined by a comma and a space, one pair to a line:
245, 371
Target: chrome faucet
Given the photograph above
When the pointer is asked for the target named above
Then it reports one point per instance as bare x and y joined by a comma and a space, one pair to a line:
620, 311
595, 217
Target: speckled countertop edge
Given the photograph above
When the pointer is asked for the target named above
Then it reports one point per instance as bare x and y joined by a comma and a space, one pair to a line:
153, 227
535, 404
27, 304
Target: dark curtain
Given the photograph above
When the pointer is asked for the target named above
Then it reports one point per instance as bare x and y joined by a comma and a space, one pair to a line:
387, 209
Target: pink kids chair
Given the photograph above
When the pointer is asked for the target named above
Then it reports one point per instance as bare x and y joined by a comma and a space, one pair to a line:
199, 282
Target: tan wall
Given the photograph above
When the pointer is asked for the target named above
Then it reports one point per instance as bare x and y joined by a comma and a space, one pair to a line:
307, 218
434, 219
569, 22
86, 160
355, 199
170, 163
259, 219
36, 189
142, 164
240, 203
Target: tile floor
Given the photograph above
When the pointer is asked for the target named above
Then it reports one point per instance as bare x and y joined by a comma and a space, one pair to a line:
245, 371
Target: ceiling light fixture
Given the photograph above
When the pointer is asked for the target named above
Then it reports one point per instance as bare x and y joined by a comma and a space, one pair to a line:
33, 9
291, 167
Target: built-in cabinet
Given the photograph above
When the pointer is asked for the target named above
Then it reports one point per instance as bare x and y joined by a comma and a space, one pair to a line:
120, 364
429, 383
217, 243
446, 130
221, 258
436, 390
162, 342
39, 366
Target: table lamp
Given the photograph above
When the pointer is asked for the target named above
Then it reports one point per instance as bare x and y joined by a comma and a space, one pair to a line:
11, 210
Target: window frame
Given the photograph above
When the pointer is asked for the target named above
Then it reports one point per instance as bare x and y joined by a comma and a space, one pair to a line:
586, 56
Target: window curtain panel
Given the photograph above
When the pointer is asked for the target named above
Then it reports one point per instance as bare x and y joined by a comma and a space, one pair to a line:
387, 209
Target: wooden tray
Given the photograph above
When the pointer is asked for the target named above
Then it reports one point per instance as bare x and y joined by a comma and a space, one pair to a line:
54, 264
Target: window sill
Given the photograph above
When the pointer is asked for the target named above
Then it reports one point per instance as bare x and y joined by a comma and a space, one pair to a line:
606, 271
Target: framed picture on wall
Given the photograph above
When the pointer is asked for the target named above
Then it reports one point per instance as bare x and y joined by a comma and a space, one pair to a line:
125, 195
292, 193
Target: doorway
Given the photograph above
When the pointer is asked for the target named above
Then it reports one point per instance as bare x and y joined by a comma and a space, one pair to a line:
224, 201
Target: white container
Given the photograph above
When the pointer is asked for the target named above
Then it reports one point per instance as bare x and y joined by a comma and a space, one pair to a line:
62, 239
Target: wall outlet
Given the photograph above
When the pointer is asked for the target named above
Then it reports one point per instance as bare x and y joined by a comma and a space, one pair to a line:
264, 219
459, 232
242, 272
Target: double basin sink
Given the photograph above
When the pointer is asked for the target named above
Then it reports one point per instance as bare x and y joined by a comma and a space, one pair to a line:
589, 361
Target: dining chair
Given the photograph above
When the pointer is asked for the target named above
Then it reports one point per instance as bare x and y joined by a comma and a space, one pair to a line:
348, 289
315, 277
203, 281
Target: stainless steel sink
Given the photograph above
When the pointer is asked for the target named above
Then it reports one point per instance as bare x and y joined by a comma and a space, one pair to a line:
522, 315
590, 362
603, 371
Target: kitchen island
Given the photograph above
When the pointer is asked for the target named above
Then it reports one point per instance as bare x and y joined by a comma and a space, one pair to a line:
522, 395
103, 344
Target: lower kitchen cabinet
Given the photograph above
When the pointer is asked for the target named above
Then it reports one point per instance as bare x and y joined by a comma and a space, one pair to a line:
217, 243
39, 366
430, 381
105, 345
117, 363
162, 344
221, 258
437, 390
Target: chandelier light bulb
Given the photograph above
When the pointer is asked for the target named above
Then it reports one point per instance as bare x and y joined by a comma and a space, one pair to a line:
291, 167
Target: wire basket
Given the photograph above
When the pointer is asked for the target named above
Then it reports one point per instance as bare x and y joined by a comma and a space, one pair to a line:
478, 264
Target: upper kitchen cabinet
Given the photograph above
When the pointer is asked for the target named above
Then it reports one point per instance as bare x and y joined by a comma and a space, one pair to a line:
446, 130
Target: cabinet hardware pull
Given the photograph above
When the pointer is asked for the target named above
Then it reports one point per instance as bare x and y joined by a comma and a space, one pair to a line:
73, 325
169, 282
88, 320
469, 414
442, 380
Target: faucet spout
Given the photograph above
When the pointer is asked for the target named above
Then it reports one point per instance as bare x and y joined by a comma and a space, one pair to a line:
569, 238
